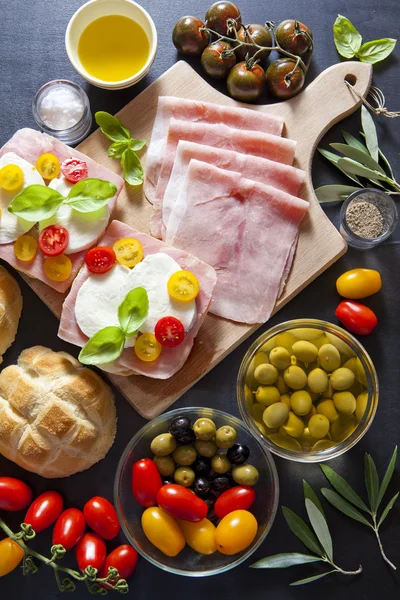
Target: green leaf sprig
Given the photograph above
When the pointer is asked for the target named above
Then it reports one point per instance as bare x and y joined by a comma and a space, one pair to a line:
107, 344
349, 502
39, 202
123, 146
318, 540
358, 159
348, 42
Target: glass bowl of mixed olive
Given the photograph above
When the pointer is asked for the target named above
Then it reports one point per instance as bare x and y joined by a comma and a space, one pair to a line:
208, 452
308, 390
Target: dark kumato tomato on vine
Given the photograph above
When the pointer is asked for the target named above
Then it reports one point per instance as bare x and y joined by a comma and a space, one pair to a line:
294, 37
218, 14
284, 78
248, 34
218, 59
187, 37
246, 81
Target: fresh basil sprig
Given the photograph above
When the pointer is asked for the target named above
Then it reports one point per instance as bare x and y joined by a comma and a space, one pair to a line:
38, 202
348, 42
123, 146
107, 344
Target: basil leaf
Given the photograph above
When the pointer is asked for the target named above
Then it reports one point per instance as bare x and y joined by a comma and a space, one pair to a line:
347, 38
334, 193
311, 495
133, 310
353, 141
36, 203
376, 50
371, 138
345, 507
343, 487
359, 156
388, 476
137, 144
320, 527
301, 530
103, 347
388, 507
112, 127
117, 149
89, 195
133, 172
311, 579
287, 559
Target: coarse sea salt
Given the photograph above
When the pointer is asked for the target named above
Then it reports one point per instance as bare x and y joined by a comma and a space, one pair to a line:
61, 108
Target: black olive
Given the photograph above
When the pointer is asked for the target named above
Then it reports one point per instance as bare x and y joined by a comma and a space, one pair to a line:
202, 465
221, 483
168, 480
202, 486
238, 454
210, 501
181, 429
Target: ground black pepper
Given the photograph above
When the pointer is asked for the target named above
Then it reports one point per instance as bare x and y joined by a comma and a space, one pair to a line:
364, 219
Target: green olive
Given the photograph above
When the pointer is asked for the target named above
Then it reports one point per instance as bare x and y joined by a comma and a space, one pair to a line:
245, 474
342, 347
321, 341
295, 377
323, 445
257, 411
207, 449
327, 408
266, 374
266, 431
281, 385
345, 402
268, 345
343, 427
360, 375
306, 333
163, 444
294, 426
342, 379
301, 402
286, 442
267, 395
184, 455
225, 437
307, 417
305, 351
361, 405
165, 465
351, 364
184, 476
204, 429
220, 463
319, 426
329, 357
248, 396
286, 340
258, 359
328, 392
285, 398
275, 415
317, 381
280, 357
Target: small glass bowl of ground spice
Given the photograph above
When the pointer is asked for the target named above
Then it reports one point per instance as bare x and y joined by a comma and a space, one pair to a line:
367, 218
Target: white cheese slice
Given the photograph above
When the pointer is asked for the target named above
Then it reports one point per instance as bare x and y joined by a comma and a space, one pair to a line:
11, 227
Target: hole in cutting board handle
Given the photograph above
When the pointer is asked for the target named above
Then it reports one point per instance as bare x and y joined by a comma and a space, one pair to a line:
351, 79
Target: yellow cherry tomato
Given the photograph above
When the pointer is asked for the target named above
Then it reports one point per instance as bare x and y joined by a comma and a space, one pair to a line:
128, 252
183, 286
162, 531
147, 348
48, 166
235, 532
57, 268
25, 248
11, 178
11, 555
359, 283
199, 536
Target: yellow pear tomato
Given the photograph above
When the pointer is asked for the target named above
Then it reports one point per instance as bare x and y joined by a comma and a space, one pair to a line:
199, 536
162, 531
359, 283
11, 555
235, 532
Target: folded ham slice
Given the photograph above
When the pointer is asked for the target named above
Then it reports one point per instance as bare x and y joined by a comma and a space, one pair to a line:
171, 359
30, 144
283, 177
246, 230
197, 111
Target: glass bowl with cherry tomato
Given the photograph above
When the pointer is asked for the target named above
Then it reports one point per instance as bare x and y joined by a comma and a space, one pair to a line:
307, 390
195, 492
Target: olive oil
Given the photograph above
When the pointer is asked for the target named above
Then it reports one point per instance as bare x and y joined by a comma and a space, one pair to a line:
113, 48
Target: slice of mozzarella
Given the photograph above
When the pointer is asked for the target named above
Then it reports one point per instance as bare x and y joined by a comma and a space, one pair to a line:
11, 227
84, 229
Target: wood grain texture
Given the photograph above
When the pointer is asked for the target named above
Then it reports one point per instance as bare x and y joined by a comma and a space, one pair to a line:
308, 116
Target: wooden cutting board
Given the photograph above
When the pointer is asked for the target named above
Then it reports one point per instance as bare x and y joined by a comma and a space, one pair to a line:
308, 116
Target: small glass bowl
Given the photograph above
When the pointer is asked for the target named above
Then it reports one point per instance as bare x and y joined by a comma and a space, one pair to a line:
188, 562
355, 349
75, 134
386, 207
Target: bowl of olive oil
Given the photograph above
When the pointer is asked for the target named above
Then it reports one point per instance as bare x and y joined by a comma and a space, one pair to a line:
111, 43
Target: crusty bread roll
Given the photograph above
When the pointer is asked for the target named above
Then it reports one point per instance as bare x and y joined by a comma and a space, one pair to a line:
56, 416
10, 310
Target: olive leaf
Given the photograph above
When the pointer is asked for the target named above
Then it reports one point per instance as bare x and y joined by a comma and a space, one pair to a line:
282, 561
334, 193
353, 141
346, 37
35, 203
103, 347
369, 129
334, 159
311, 495
313, 578
133, 311
388, 476
343, 487
302, 531
371, 481
320, 527
376, 50
388, 507
352, 167
358, 155
345, 507
88, 195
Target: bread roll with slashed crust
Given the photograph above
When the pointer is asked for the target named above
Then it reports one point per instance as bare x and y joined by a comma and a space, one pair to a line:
56, 416
10, 310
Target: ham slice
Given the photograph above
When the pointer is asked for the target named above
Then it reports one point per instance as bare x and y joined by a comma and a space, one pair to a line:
197, 112
246, 230
283, 177
171, 359
30, 144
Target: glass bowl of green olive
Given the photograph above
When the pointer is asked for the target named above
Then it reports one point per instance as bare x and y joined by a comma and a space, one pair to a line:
308, 390
208, 452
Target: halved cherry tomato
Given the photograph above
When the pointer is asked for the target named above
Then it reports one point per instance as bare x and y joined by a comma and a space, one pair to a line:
48, 166
25, 248
146, 481
169, 331
235, 532
44, 511
53, 240
124, 559
129, 252
100, 259
74, 169
91, 551
356, 317
162, 531
11, 555
359, 283
147, 348
181, 503
102, 517
11, 178
69, 528
183, 286
199, 536
57, 268
14, 494
240, 497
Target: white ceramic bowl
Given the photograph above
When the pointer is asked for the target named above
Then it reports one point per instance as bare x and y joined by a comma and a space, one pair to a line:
94, 9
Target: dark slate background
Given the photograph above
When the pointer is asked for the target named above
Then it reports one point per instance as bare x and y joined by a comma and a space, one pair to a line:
32, 53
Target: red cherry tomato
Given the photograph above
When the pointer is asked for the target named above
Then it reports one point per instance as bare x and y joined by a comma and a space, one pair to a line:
44, 511
169, 332
53, 240
240, 497
356, 317
146, 481
91, 551
100, 259
124, 559
101, 516
74, 169
14, 494
181, 503
69, 528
